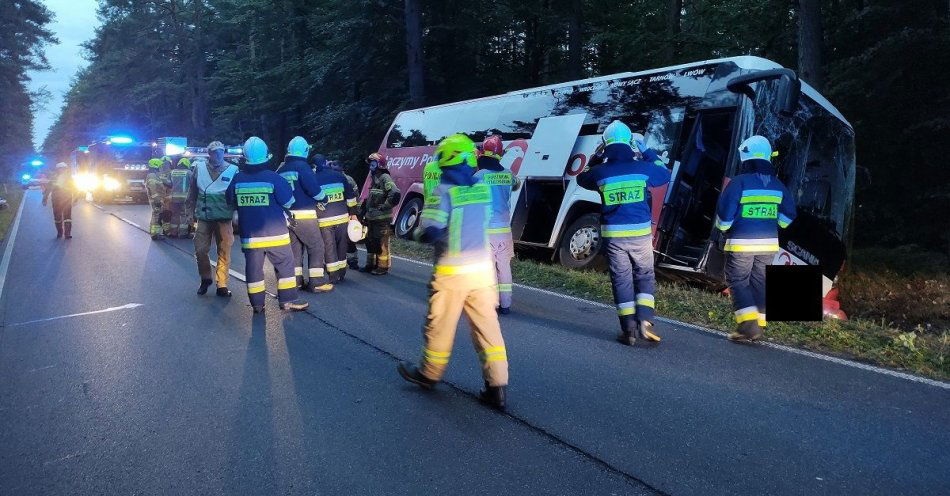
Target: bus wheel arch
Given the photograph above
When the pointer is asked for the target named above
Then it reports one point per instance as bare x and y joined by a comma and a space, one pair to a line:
409, 216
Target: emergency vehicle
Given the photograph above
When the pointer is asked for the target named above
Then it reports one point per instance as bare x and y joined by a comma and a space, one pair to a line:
694, 115
113, 168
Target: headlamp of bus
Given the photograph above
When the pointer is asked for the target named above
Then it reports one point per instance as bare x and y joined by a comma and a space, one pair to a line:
86, 182
110, 184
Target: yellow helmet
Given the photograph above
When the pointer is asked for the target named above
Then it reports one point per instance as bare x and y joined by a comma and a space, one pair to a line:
184, 162
454, 150
155, 163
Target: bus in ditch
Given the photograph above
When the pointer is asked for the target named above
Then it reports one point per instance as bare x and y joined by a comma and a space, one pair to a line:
694, 115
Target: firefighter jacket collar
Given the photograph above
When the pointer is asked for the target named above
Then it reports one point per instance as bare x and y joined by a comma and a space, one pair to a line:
490, 163
618, 152
758, 166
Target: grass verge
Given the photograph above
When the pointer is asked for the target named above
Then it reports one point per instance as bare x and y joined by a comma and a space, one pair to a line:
13, 195
874, 341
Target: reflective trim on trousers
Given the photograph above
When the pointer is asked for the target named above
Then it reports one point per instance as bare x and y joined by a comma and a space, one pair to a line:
626, 308
287, 283
747, 314
447, 270
335, 266
316, 272
646, 300
504, 288
494, 354
256, 287
436, 357
765, 245
335, 220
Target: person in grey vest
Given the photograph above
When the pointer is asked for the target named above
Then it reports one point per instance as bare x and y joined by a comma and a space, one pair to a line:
211, 179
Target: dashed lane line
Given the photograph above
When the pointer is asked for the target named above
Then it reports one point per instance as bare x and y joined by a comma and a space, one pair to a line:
104, 310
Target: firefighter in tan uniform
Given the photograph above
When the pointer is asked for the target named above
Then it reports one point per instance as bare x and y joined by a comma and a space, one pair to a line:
464, 276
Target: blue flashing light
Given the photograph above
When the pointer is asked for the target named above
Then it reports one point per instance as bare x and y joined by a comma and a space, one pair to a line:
120, 140
36, 163
26, 177
235, 151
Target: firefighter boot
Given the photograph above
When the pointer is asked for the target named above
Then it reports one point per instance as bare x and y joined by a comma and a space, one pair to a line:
493, 396
646, 332
629, 336
295, 306
59, 229
223, 292
746, 331
68, 229
205, 284
370, 263
411, 373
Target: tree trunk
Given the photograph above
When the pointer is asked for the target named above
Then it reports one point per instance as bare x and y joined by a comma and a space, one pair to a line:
414, 53
810, 42
673, 28
575, 34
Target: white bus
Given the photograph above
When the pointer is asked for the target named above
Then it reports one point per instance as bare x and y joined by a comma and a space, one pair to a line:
694, 115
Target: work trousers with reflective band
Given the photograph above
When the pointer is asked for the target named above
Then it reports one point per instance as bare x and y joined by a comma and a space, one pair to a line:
745, 274
62, 212
445, 308
632, 279
502, 251
335, 244
222, 234
179, 222
378, 234
155, 223
282, 258
306, 236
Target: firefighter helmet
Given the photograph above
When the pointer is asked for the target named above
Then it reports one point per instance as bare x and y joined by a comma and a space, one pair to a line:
298, 147
184, 162
61, 165
454, 150
155, 163
617, 132
255, 151
355, 231
493, 147
755, 147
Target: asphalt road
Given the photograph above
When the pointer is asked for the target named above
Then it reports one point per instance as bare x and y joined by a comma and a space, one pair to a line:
192, 395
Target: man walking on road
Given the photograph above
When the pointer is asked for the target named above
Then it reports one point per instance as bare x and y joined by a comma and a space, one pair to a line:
62, 191
261, 198
501, 182
208, 193
335, 219
156, 188
463, 279
751, 209
626, 226
305, 231
383, 196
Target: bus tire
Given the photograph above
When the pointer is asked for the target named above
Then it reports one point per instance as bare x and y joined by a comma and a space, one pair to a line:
580, 244
408, 217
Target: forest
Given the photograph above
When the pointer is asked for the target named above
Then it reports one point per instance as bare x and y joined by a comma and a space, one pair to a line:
337, 72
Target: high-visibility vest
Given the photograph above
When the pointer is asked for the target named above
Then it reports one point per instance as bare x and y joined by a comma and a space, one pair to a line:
212, 204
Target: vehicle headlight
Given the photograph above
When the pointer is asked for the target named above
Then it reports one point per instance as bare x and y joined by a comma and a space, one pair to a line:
86, 182
110, 184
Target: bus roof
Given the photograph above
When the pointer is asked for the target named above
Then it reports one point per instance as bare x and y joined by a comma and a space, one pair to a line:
748, 62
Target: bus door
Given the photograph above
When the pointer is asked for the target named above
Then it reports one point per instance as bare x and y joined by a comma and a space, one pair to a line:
686, 223
535, 206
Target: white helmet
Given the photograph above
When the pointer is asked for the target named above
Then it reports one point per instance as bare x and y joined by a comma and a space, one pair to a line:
355, 231
298, 147
617, 132
755, 147
255, 151
62, 165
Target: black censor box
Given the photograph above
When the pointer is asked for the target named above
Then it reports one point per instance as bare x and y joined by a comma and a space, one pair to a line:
793, 293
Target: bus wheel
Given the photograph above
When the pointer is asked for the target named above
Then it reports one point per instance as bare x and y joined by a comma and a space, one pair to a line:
408, 217
580, 244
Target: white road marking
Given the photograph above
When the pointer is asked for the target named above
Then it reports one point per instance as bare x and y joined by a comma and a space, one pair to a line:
11, 238
790, 349
104, 310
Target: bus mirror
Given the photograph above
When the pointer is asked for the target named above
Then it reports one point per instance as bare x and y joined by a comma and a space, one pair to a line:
788, 91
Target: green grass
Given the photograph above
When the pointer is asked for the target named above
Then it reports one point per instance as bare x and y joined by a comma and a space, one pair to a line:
14, 194
872, 340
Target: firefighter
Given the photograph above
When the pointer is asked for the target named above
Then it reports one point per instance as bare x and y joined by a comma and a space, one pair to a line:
207, 193
305, 231
463, 279
155, 186
501, 182
340, 210
626, 230
751, 209
351, 259
261, 198
383, 196
431, 177
62, 191
181, 177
